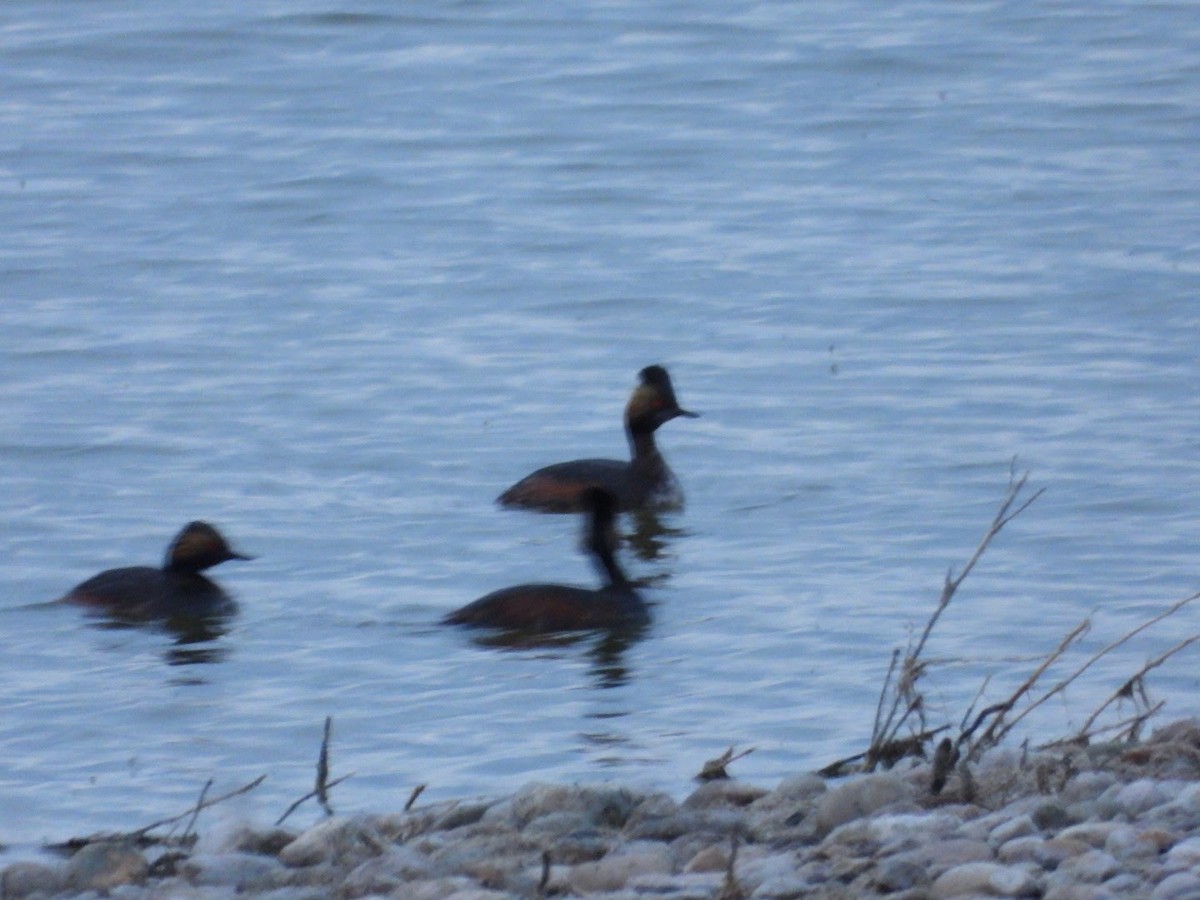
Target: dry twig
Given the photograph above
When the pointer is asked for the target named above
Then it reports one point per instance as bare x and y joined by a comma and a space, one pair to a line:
141, 835
906, 700
412, 798
323, 785
714, 769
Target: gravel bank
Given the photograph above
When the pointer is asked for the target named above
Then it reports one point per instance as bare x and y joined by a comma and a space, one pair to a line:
1109, 821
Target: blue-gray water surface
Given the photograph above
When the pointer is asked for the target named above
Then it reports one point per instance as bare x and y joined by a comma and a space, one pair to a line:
333, 274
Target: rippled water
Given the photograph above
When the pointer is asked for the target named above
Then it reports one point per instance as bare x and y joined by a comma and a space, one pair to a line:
332, 276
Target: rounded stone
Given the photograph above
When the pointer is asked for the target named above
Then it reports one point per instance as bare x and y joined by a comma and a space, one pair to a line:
1028, 849
724, 793
325, 841
1180, 886
1087, 786
1184, 855
858, 798
1132, 842
240, 871
104, 866
937, 857
983, 879
1051, 816
1142, 795
896, 875
1021, 826
1091, 867
614, 871
714, 858
22, 879
1078, 892
1094, 834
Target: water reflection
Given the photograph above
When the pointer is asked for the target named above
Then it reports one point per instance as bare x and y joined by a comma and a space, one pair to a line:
649, 538
188, 634
605, 649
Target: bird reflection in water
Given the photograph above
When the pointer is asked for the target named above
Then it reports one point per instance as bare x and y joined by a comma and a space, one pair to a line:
651, 536
605, 649
194, 638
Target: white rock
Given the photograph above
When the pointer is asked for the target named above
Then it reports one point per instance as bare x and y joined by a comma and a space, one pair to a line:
936, 857
1091, 867
236, 870
1180, 886
380, 874
1078, 892
331, 840
614, 871
782, 887
1087, 786
1028, 849
1137, 842
982, 878
437, 889
713, 858
724, 792
1094, 834
604, 806
859, 798
24, 878
104, 866
752, 873
1188, 798
902, 829
1184, 855
1143, 795
1021, 826
801, 787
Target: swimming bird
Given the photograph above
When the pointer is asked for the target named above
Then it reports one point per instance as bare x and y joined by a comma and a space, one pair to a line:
144, 593
541, 608
644, 481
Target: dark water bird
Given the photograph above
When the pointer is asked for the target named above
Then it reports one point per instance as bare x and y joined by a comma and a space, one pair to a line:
543, 608
177, 590
644, 481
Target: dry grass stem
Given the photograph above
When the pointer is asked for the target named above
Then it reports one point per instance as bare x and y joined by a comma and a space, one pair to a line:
196, 812
998, 728
907, 701
141, 835
412, 798
1100, 654
730, 889
714, 769
322, 787
323, 784
1135, 686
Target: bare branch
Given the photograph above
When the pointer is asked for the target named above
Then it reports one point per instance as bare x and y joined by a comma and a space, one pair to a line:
1137, 679
996, 731
323, 784
1100, 654
196, 812
322, 789
906, 700
412, 798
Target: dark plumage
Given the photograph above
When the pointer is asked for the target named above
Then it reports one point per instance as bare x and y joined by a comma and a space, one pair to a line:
540, 608
144, 593
644, 481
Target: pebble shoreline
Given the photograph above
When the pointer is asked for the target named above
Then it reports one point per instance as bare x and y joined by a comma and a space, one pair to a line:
1108, 821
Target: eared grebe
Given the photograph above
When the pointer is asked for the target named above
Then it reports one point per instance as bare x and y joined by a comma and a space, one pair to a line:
142, 593
540, 608
644, 481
